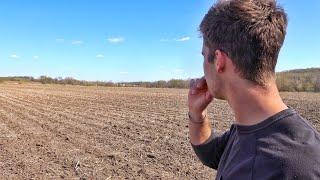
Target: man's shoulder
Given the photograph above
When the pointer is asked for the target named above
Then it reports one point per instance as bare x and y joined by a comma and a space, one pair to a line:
289, 147
290, 161
291, 134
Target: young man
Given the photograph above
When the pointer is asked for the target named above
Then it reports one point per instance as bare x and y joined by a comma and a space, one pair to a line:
269, 140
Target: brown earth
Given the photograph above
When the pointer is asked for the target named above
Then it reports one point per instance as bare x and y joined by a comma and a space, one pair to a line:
72, 132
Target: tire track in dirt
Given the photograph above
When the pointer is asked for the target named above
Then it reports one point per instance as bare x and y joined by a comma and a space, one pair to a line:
126, 105
166, 137
29, 111
167, 163
35, 113
73, 116
24, 152
87, 149
154, 123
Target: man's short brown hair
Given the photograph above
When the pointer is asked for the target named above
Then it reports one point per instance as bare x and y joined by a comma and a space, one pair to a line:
251, 32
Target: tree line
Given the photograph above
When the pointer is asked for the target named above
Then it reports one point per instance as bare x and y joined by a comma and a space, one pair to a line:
299, 80
294, 81
173, 83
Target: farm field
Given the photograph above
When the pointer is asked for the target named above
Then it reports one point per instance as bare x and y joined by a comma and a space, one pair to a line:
72, 132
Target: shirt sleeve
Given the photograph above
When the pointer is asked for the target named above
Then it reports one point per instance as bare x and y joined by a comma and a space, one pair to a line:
210, 152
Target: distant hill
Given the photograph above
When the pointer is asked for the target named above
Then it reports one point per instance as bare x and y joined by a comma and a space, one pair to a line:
291, 80
299, 80
308, 70
18, 79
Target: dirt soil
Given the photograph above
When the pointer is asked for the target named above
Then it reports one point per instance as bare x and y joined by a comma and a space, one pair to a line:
76, 132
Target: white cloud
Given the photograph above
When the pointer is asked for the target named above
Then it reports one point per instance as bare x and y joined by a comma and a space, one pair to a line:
116, 40
14, 56
77, 42
187, 38
35, 57
60, 40
99, 56
124, 72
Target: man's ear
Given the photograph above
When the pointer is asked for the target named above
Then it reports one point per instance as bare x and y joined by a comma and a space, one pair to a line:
220, 61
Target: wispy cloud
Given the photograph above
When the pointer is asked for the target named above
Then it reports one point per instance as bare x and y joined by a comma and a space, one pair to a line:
181, 39
186, 38
73, 42
116, 40
124, 72
99, 56
59, 40
14, 56
77, 42
35, 57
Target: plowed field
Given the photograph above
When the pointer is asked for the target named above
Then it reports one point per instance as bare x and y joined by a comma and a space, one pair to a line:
72, 132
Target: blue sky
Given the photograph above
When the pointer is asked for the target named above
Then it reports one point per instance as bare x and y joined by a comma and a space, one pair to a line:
128, 40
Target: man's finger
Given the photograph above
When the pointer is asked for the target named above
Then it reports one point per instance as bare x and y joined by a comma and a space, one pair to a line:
191, 83
196, 83
193, 86
201, 84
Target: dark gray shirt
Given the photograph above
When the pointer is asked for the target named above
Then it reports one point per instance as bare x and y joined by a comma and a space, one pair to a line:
284, 146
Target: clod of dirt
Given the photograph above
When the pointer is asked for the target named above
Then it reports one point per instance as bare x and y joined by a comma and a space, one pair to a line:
111, 156
151, 156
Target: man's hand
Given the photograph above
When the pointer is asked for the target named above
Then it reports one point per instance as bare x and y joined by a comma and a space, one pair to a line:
198, 99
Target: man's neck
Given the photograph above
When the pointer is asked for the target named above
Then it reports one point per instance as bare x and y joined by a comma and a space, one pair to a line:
253, 105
